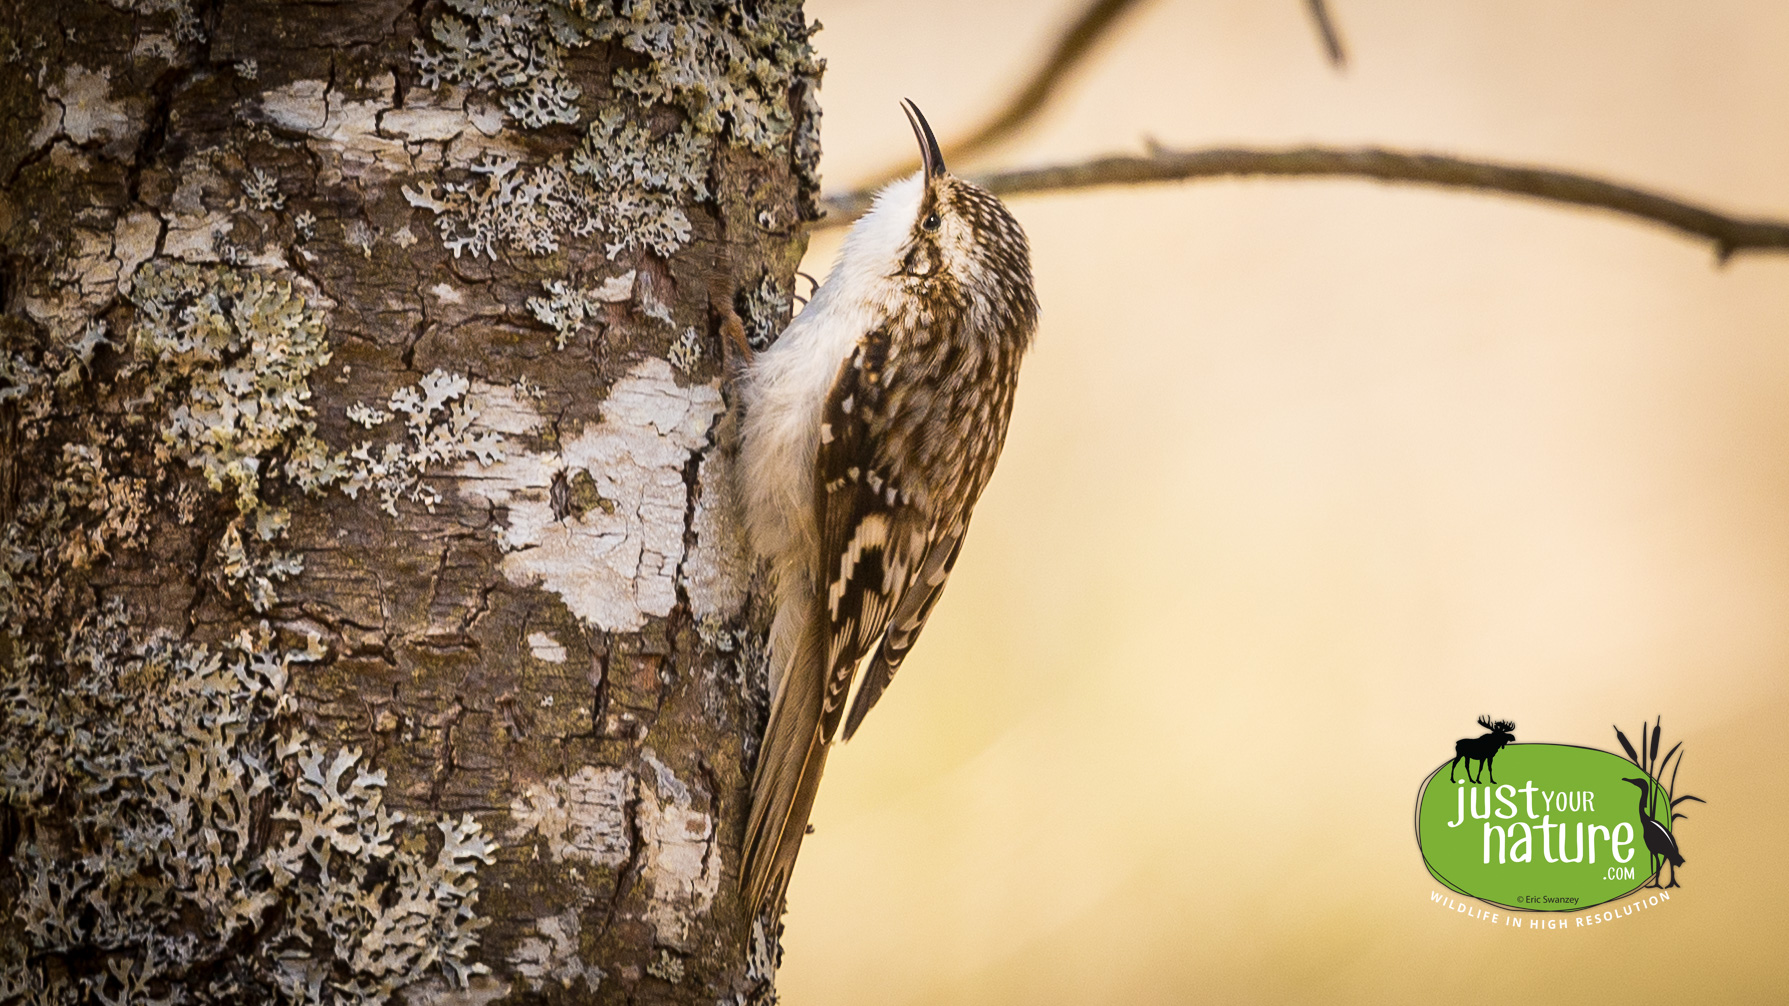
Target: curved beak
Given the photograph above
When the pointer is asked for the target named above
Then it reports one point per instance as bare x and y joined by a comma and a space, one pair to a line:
929, 152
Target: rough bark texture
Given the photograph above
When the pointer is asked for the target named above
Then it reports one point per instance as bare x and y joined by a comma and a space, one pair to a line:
375, 623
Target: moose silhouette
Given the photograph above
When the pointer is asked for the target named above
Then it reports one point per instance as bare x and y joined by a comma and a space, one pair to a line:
1483, 748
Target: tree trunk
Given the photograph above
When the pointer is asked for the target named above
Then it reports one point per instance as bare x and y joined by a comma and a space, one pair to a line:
374, 622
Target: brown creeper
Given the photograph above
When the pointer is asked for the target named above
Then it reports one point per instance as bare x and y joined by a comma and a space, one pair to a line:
871, 427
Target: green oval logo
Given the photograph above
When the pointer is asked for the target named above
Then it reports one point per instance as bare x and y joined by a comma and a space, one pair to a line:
1543, 827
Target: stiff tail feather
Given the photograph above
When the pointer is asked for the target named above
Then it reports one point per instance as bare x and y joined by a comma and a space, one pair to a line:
790, 763
875, 682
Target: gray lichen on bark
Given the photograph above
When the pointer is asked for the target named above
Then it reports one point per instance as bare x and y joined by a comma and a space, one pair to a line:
374, 622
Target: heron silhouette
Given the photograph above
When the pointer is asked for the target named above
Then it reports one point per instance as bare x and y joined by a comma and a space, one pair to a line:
1658, 838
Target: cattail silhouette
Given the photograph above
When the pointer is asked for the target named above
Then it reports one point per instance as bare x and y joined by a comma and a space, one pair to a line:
1660, 841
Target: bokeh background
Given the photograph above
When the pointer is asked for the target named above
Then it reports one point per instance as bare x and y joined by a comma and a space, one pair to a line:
1305, 476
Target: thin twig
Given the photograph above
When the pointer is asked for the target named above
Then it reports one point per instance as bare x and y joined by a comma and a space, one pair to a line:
1072, 48
1326, 28
1729, 234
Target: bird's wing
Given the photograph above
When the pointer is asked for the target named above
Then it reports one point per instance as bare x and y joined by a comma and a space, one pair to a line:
867, 539
904, 626
873, 540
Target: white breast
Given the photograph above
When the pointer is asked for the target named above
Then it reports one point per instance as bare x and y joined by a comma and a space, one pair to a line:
786, 388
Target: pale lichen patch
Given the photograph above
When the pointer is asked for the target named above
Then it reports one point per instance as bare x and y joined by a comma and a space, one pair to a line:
155, 45
134, 762
147, 770
338, 125
743, 73
81, 106
301, 106
732, 68
614, 565
193, 237
585, 817
718, 572
85, 281
686, 352
336, 868
582, 816
231, 353
508, 46
508, 409
439, 430
133, 243
545, 648
566, 307
552, 955
195, 230
680, 863
215, 364
261, 191
620, 182
97, 263
370, 138
185, 21
480, 991
666, 965
768, 308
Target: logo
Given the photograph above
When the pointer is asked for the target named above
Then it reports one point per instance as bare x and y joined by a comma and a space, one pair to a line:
1567, 828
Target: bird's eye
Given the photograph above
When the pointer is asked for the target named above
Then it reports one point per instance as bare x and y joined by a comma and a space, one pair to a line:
930, 222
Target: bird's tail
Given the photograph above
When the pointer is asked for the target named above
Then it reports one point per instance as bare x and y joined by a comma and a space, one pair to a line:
790, 762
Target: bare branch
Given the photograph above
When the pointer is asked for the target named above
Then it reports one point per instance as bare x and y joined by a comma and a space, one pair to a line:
1072, 48
1326, 27
1729, 234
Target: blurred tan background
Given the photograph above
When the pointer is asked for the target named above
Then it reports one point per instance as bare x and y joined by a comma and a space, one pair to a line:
1307, 475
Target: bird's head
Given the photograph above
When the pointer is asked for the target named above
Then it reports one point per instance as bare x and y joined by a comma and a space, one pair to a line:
933, 233
1644, 784
939, 232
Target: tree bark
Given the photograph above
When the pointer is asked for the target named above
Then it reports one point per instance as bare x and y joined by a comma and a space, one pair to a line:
374, 621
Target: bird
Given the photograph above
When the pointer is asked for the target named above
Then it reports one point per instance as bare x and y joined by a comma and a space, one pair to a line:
870, 428
1659, 841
